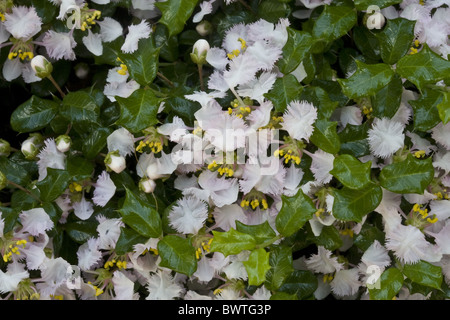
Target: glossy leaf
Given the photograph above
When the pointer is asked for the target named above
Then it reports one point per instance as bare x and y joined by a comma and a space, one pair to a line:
261, 232
175, 14
280, 260
34, 114
424, 273
444, 108
409, 176
426, 114
364, 4
353, 205
232, 242
295, 50
351, 172
284, 90
391, 281
54, 184
294, 213
300, 282
177, 254
334, 22
256, 266
325, 136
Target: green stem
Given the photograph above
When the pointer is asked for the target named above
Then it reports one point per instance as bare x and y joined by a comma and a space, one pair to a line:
170, 83
56, 86
200, 75
18, 186
268, 242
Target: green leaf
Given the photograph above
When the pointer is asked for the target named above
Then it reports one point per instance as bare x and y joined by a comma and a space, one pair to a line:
232, 242
79, 168
424, 273
320, 98
354, 140
353, 205
14, 172
351, 172
138, 111
284, 90
95, 142
261, 232
396, 39
81, 231
273, 10
329, 237
325, 136
409, 176
140, 216
301, 283
143, 63
444, 108
175, 13
367, 43
127, 239
387, 100
295, 50
426, 114
177, 254
364, 4
295, 212
391, 281
334, 22
34, 114
280, 261
80, 106
256, 266
54, 184
367, 236
423, 67
367, 80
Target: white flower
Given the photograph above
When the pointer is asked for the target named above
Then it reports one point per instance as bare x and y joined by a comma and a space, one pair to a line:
9, 280
54, 272
34, 251
188, 215
2, 225
108, 232
442, 238
299, 118
267, 178
441, 160
12, 69
294, 176
441, 209
322, 164
217, 58
385, 137
322, 262
226, 216
147, 185
115, 162
104, 189
117, 85
441, 133
376, 254
241, 70
235, 268
175, 130
88, 254
110, 29
143, 4
160, 167
205, 8
409, 245
121, 140
50, 157
93, 43
35, 221
135, 33
162, 286
220, 191
205, 271
345, 282
256, 88
123, 287
419, 143
350, 115
59, 45
23, 23
311, 4
227, 133
83, 209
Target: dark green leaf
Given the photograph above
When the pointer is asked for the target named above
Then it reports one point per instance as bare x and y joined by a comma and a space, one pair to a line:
424, 67
300, 282
175, 14
80, 106
284, 90
353, 205
295, 212
444, 108
396, 39
140, 216
386, 101
295, 50
426, 114
54, 184
81, 231
334, 22
364, 4
273, 10
280, 260
391, 281
424, 273
261, 232
127, 239
79, 168
351, 172
138, 111
33, 115
325, 136
409, 176
177, 254
14, 172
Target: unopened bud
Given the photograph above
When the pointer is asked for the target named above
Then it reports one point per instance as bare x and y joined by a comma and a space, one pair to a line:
204, 28
147, 185
199, 51
41, 66
115, 162
30, 147
5, 148
375, 21
82, 70
63, 143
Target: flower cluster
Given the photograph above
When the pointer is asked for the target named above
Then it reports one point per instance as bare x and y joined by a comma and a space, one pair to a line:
215, 152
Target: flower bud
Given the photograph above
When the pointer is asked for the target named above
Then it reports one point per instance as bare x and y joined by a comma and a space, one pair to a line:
3, 181
41, 66
5, 148
30, 147
63, 143
82, 70
375, 21
147, 185
115, 162
199, 51
204, 28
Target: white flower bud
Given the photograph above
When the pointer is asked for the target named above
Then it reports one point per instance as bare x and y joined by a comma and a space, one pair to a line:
199, 51
5, 148
30, 147
63, 143
204, 28
375, 21
147, 185
115, 162
41, 66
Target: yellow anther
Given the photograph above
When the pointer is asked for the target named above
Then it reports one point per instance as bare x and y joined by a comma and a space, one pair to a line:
413, 50
432, 220
319, 212
416, 207
230, 172
264, 204
276, 153
243, 43
419, 154
230, 111
217, 291
416, 43
248, 109
2, 17
154, 251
